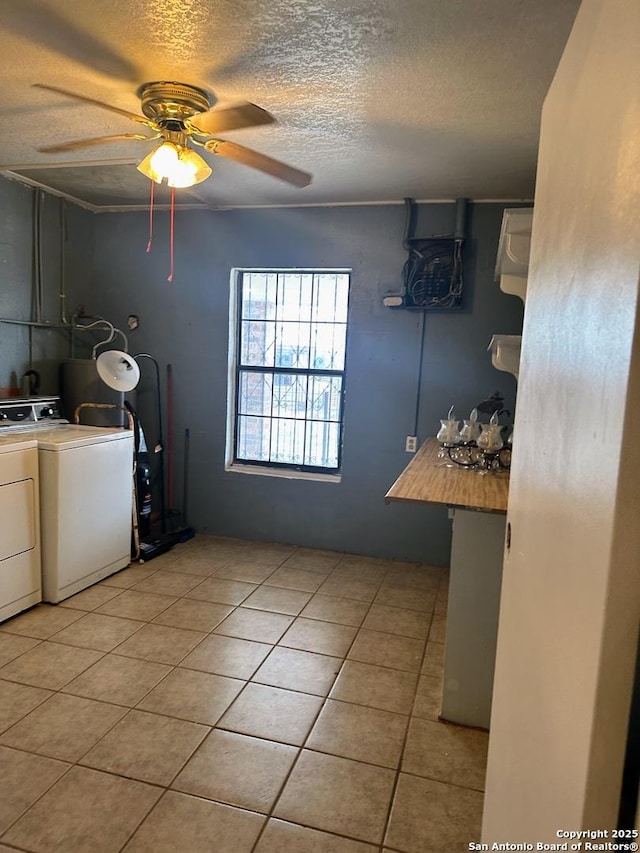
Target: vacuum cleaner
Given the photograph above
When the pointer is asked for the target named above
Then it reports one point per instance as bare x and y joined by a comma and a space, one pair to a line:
151, 543
121, 372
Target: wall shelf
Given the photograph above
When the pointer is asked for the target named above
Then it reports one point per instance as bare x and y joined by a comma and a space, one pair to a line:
514, 246
505, 353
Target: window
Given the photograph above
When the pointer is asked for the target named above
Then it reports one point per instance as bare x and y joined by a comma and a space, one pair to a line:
290, 368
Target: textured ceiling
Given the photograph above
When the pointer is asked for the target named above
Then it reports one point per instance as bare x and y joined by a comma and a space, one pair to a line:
379, 99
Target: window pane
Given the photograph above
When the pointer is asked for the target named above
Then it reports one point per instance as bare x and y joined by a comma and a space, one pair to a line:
328, 346
254, 437
330, 298
290, 396
258, 343
259, 296
255, 393
294, 297
324, 398
292, 345
287, 441
321, 446
342, 297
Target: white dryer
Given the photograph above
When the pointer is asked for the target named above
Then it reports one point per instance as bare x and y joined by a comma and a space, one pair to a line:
85, 506
20, 585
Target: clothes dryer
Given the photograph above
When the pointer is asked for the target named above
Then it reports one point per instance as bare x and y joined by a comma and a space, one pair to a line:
20, 581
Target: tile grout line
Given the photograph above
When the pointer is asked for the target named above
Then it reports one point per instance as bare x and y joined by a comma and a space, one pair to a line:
214, 726
312, 726
128, 711
209, 633
76, 763
405, 739
442, 782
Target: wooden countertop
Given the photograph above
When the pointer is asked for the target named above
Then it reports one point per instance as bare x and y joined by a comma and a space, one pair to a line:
427, 480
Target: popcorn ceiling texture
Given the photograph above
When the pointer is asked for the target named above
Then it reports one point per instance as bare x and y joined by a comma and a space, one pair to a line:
379, 99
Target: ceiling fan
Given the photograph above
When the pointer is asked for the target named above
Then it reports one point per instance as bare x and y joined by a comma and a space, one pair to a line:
181, 115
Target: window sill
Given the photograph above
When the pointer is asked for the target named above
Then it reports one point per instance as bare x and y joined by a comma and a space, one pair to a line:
239, 468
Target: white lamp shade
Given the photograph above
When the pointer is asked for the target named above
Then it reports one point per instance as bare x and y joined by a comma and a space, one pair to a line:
118, 370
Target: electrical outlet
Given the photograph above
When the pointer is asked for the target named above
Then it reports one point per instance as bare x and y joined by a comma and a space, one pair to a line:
411, 444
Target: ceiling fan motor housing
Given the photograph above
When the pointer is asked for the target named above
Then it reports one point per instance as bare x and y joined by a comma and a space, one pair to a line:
173, 102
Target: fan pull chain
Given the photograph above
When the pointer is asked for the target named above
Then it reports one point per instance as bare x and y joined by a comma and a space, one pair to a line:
172, 230
173, 196
151, 217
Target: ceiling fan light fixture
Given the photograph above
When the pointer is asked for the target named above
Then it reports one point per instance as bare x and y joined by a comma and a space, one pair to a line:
147, 169
164, 158
190, 169
179, 165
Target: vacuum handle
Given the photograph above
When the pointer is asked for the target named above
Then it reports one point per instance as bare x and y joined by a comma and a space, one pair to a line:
136, 426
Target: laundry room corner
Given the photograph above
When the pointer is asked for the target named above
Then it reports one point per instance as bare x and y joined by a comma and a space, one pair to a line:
46, 248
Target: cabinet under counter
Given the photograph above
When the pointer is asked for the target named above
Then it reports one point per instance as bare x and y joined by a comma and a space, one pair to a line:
478, 505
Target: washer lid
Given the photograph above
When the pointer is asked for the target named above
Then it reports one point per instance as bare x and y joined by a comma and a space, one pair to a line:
76, 435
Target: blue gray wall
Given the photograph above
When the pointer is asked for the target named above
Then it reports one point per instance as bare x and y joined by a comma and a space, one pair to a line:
185, 323
39, 348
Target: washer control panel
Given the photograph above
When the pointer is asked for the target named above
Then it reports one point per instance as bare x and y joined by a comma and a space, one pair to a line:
30, 412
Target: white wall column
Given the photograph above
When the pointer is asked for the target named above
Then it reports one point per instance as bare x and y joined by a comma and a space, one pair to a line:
571, 586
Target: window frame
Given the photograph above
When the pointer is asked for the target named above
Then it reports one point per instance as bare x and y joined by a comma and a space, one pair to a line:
237, 368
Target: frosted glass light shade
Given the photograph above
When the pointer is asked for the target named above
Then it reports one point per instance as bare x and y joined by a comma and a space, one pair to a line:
179, 165
164, 158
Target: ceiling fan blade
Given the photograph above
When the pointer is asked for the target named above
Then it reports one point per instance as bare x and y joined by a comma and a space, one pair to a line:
96, 140
230, 118
44, 26
255, 160
125, 113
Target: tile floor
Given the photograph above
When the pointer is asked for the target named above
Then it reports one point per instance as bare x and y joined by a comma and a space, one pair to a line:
237, 697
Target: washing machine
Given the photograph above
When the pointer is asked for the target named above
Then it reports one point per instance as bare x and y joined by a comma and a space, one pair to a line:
85, 495
85, 506
20, 577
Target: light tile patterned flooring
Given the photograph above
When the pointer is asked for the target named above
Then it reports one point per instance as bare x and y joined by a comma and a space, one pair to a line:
236, 697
